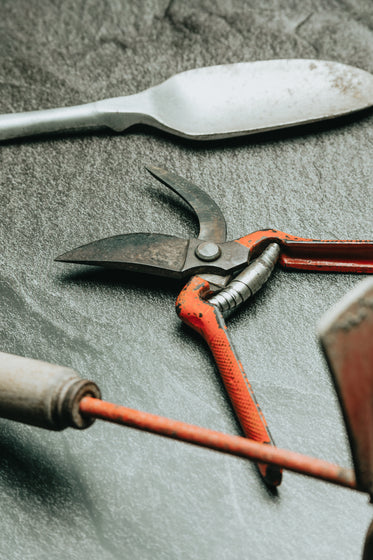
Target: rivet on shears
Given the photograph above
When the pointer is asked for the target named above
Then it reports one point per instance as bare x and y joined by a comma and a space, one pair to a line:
208, 251
175, 257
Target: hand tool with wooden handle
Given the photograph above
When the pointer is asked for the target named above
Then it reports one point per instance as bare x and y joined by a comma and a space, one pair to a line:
54, 397
210, 261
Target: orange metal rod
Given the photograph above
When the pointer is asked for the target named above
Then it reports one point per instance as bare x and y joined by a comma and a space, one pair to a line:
234, 445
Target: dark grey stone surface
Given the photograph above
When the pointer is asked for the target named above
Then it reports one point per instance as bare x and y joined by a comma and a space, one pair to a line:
111, 492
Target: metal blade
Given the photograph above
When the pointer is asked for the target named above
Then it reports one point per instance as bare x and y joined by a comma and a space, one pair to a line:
251, 97
346, 335
166, 255
162, 255
212, 226
158, 254
217, 102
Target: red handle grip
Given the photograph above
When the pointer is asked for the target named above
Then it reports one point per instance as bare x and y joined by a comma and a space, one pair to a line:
207, 320
314, 254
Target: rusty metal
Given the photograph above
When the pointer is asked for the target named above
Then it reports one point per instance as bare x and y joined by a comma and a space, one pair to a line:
180, 258
212, 225
346, 335
42, 394
54, 397
174, 257
232, 445
157, 254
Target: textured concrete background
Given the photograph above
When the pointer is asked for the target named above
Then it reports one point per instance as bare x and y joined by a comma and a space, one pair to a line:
111, 492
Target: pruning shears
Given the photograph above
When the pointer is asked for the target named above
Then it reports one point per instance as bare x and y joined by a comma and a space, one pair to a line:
222, 275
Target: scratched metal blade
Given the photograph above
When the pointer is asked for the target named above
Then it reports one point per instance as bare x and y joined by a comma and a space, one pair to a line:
162, 255
212, 226
165, 255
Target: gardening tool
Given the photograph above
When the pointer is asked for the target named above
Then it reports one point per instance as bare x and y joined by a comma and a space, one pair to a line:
217, 101
211, 262
54, 397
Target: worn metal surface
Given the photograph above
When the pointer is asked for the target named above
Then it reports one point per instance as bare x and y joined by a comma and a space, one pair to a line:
113, 492
224, 443
53, 397
149, 254
218, 102
346, 334
157, 254
164, 255
212, 226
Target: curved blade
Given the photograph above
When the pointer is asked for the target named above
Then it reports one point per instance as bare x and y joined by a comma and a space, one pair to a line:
158, 254
212, 226
166, 255
163, 255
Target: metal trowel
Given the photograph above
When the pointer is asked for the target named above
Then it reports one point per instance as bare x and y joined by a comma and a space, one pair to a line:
217, 102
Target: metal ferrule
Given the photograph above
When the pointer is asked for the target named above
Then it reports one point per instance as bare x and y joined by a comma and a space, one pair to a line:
42, 394
249, 281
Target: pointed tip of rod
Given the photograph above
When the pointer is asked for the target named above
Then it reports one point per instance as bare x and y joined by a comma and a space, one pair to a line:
66, 257
155, 170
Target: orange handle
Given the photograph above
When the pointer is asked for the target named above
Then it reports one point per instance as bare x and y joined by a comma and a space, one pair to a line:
297, 253
207, 320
